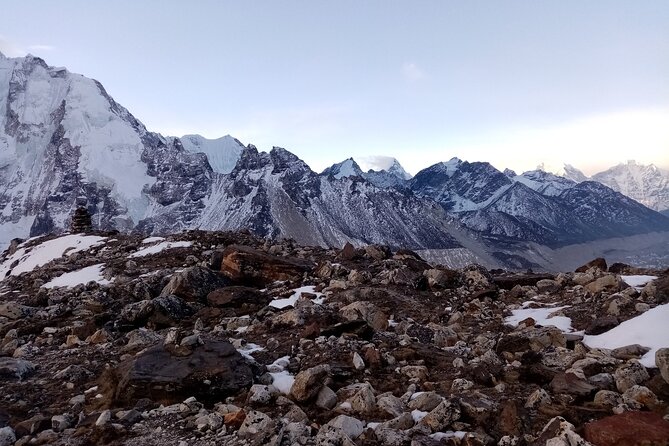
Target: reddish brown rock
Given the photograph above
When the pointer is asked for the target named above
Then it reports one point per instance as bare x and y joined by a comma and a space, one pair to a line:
234, 419
599, 262
629, 429
250, 266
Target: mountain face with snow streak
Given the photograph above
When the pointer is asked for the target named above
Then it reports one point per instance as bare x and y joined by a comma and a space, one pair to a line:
647, 184
63, 137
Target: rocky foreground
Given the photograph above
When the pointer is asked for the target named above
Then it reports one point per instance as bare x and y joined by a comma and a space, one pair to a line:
212, 338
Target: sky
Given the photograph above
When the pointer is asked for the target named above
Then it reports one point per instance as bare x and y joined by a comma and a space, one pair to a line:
515, 83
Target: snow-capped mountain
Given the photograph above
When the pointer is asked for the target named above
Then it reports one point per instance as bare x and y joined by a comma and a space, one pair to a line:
345, 169
536, 206
63, 137
647, 184
394, 176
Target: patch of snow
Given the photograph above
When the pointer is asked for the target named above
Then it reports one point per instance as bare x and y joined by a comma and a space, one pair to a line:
373, 425
222, 153
418, 415
637, 281
283, 381
153, 239
30, 258
290, 301
648, 329
542, 316
155, 249
83, 276
281, 378
248, 349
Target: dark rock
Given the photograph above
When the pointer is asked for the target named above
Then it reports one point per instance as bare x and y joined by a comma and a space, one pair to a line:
507, 282
169, 311
249, 266
348, 252
599, 262
163, 376
601, 325
194, 283
571, 384
11, 368
237, 296
629, 429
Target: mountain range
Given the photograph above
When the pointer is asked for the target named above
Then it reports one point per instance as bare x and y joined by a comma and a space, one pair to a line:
63, 138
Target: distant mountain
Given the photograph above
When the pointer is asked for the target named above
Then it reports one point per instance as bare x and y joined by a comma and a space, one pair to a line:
647, 184
394, 176
536, 206
345, 169
63, 139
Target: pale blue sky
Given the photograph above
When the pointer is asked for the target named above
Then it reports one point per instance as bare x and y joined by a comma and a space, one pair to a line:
511, 82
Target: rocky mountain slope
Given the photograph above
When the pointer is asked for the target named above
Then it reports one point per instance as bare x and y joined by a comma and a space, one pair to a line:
63, 139
218, 338
535, 206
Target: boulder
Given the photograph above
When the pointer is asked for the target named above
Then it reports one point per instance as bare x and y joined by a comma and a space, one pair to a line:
308, 382
601, 325
352, 427
209, 372
12, 368
194, 283
599, 262
609, 282
571, 384
442, 416
629, 428
169, 310
439, 278
13, 310
559, 432
257, 428
662, 362
366, 311
237, 297
548, 286
248, 266
630, 374
7, 436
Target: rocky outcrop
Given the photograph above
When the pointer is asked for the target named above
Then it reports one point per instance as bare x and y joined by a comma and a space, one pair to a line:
224, 338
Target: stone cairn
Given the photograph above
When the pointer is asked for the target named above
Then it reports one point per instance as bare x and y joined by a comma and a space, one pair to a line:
81, 219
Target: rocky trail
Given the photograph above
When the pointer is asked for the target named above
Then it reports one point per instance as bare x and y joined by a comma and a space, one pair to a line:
222, 338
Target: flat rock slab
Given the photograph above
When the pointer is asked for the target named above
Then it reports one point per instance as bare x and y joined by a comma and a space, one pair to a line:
208, 372
250, 266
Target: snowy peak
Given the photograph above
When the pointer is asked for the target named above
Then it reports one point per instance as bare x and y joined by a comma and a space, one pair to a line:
344, 169
647, 184
222, 153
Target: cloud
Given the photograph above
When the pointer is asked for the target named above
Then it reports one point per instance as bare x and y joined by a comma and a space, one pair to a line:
41, 48
10, 49
375, 162
412, 72
13, 49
